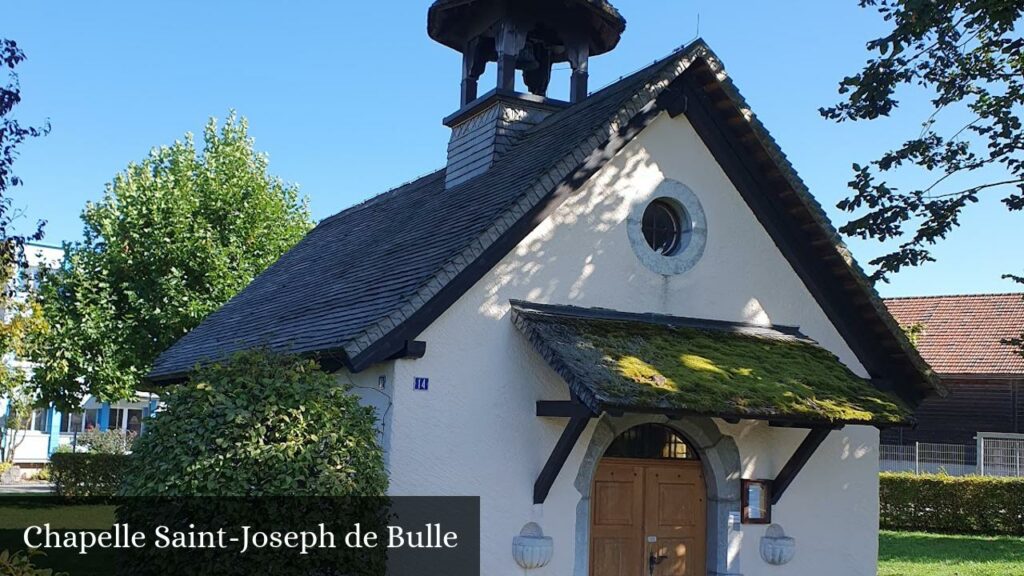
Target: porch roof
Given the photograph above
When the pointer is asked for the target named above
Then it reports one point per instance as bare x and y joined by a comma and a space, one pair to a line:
623, 362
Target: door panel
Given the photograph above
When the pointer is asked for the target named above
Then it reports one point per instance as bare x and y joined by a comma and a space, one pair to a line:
611, 557
617, 519
634, 500
675, 514
675, 504
616, 501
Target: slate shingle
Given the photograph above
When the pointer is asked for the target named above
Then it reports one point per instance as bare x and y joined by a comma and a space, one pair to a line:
358, 266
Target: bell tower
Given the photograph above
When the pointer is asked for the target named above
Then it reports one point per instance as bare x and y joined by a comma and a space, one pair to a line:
519, 35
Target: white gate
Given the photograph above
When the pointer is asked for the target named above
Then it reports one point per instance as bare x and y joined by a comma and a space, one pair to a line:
1000, 454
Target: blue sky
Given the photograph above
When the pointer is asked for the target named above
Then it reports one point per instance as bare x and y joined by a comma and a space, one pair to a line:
347, 99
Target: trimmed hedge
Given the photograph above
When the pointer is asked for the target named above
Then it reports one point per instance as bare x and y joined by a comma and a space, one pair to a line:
87, 474
950, 504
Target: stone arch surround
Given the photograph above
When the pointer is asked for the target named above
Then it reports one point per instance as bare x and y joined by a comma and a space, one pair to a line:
721, 462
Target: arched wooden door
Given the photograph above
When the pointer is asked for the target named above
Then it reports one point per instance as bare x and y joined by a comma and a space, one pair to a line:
648, 507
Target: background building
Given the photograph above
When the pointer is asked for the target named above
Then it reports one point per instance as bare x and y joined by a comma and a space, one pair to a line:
47, 429
962, 338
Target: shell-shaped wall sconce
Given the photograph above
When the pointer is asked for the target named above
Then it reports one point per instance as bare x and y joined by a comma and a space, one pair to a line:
532, 549
777, 548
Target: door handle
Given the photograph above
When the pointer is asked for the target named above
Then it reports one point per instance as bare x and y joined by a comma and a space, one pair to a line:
653, 559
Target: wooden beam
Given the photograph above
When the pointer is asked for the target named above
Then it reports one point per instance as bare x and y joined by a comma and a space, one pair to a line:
797, 461
563, 409
414, 349
672, 100
573, 430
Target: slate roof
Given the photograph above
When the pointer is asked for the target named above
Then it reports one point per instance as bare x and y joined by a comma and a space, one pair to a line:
963, 334
616, 361
367, 280
338, 286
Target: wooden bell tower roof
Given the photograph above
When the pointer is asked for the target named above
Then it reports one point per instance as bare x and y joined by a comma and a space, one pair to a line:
526, 35
455, 22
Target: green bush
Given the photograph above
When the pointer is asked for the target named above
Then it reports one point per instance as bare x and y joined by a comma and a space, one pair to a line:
949, 504
43, 474
20, 564
87, 474
107, 441
259, 425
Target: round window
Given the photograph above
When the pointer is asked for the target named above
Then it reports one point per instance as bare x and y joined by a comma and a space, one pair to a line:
663, 227
668, 229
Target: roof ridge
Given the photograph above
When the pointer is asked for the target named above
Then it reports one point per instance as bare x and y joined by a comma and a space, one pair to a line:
949, 296
610, 86
380, 196
820, 217
544, 125
556, 170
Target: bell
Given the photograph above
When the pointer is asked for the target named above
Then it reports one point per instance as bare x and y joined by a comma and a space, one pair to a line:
527, 60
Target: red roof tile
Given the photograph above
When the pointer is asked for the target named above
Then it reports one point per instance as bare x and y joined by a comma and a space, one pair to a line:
963, 333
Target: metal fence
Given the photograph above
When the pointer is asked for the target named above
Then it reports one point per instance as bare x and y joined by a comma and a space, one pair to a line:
992, 455
925, 458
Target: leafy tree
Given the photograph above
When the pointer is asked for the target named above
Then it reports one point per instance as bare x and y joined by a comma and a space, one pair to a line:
18, 322
175, 236
16, 422
969, 56
22, 324
259, 425
12, 134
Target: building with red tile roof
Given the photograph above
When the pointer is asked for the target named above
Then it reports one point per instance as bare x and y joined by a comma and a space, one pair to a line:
964, 339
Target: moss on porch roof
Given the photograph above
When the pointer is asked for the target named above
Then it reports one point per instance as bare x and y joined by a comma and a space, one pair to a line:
647, 363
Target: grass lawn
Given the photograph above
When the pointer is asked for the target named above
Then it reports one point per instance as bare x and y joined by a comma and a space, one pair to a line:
919, 554
20, 511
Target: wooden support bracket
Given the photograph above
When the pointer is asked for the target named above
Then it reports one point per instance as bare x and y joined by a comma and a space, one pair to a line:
579, 415
556, 460
797, 461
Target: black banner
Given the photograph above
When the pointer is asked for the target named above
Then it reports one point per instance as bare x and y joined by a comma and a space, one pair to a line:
401, 536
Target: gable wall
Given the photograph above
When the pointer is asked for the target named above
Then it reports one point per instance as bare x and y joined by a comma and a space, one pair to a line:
474, 432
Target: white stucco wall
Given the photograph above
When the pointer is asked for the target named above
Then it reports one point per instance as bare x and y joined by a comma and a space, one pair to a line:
474, 431
832, 506
375, 387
